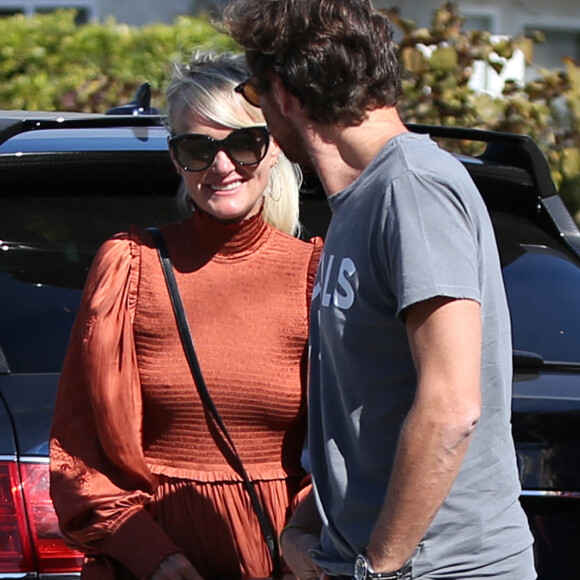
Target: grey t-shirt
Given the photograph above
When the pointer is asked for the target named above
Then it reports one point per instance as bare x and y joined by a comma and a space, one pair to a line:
411, 227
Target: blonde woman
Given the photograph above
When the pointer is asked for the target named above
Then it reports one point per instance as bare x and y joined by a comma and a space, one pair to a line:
138, 477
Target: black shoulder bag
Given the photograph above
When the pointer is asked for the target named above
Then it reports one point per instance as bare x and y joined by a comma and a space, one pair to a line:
187, 342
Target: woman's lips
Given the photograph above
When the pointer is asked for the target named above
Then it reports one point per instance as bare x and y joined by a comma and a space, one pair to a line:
225, 188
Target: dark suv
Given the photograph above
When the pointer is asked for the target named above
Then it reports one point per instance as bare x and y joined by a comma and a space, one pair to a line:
69, 182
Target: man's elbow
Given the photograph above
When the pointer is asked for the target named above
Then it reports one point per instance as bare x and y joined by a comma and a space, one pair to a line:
460, 424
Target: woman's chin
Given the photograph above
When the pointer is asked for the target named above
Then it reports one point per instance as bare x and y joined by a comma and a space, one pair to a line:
229, 217
231, 213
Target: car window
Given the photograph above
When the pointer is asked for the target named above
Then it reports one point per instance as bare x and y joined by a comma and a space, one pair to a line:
46, 247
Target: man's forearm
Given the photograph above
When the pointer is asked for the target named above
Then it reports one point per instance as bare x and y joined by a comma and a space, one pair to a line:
437, 429
429, 455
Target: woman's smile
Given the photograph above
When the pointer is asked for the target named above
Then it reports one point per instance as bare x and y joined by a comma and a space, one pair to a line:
226, 188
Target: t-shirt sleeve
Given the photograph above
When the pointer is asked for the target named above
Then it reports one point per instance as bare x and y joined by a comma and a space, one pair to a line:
430, 240
317, 245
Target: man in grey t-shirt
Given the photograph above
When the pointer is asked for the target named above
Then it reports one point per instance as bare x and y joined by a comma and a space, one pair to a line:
423, 240
412, 459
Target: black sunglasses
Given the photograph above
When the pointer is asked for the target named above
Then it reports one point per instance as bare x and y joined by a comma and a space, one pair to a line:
249, 91
196, 152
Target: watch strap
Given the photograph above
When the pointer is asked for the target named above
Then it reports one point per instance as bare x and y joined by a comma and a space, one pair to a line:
370, 574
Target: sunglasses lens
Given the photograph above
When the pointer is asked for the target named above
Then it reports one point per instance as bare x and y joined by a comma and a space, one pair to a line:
251, 94
249, 91
195, 152
243, 146
247, 146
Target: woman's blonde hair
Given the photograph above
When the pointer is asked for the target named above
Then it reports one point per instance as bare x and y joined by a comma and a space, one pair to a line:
205, 86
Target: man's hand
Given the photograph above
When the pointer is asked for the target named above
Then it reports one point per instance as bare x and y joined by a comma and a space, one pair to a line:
175, 567
296, 543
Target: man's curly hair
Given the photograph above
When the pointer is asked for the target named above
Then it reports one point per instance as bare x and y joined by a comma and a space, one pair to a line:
336, 56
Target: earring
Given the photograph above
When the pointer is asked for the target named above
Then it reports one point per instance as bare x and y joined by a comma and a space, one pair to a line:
274, 183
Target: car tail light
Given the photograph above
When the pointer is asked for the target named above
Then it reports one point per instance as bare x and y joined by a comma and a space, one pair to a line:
30, 540
15, 549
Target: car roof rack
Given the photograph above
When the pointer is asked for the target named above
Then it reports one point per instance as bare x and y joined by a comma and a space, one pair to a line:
136, 113
12, 125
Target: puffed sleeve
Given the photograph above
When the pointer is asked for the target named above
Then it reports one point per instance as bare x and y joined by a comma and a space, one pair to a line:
100, 482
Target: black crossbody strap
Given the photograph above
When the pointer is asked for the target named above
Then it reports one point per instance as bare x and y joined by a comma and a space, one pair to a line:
188, 347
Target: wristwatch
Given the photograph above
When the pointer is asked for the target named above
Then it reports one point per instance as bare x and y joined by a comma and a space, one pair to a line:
364, 571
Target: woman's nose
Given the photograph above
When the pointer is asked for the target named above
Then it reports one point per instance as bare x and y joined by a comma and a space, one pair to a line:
222, 163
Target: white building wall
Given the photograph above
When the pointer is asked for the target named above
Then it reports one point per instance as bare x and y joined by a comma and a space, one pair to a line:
143, 12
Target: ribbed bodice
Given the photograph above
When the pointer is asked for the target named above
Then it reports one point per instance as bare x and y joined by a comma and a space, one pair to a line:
251, 347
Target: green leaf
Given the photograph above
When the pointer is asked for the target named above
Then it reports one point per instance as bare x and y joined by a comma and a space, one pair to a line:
444, 59
571, 162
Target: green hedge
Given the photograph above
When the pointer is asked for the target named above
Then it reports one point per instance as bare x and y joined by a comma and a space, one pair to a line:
49, 63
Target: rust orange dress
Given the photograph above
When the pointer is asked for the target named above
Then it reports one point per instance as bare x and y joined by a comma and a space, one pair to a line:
136, 468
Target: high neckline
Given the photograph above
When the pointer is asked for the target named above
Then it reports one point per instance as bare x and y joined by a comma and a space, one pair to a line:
228, 240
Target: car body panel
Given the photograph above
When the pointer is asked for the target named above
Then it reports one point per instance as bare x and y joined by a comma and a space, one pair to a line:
7, 430
94, 176
30, 398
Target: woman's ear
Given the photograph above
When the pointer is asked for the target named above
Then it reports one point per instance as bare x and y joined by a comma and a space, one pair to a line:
274, 152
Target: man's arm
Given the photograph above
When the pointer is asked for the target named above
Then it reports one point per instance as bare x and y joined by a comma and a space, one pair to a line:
445, 340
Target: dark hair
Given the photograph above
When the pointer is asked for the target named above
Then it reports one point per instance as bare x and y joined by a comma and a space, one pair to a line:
336, 56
